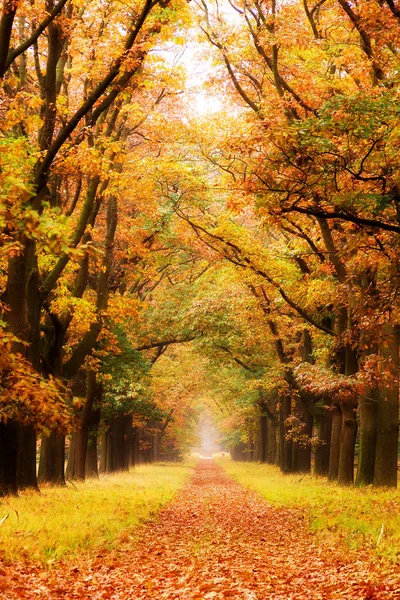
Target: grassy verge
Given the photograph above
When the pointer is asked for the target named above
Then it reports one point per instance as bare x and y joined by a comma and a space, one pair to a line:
100, 513
360, 518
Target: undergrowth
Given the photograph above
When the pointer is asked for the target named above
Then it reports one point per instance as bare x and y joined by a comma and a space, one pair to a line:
362, 519
60, 522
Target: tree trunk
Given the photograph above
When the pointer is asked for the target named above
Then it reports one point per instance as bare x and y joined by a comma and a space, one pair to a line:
285, 441
91, 468
78, 458
301, 458
263, 448
322, 450
115, 445
18, 442
155, 446
103, 453
237, 452
347, 444
127, 441
8, 458
70, 470
26, 457
134, 455
368, 408
250, 449
334, 453
52, 459
272, 442
388, 417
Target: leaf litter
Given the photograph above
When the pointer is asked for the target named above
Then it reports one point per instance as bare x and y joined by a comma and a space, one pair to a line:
216, 540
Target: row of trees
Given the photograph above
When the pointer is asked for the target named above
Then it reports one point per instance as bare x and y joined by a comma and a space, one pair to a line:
78, 222
155, 260
312, 173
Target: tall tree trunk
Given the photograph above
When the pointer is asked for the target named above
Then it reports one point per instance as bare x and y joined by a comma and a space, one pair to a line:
347, 444
114, 446
334, 453
155, 446
272, 442
134, 455
285, 441
78, 459
388, 416
26, 457
70, 470
250, 449
301, 460
19, 441
368, 410
301, 451
263, 448
91, 466
349, 426
8, 458
103, 453
323, 427
52, 459
272, 432
127, 441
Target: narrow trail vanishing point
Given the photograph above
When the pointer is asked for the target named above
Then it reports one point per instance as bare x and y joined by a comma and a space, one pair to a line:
215, 540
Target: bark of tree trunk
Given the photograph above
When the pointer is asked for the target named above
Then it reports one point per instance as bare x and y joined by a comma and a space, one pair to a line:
250, 449
52, 459
155, 446
349, 424
272, 443
368, 407
115, 446
91, 467
8, 458
77, 462
347, 444
103, 453
263, 448
134, 454
237, 452
286, 442
127, 441
388, 417
18, 441
334, 453
322, 450
301, 460
69, 473
26, 457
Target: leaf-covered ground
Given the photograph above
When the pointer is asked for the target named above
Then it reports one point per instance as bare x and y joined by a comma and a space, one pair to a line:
216, 540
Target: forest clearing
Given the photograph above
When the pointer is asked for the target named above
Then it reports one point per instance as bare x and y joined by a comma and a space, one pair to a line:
214, 539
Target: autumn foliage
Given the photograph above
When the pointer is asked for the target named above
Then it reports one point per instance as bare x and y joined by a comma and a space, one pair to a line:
158, 259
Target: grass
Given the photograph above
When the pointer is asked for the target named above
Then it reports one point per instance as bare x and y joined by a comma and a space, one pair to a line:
88, 517
359, 518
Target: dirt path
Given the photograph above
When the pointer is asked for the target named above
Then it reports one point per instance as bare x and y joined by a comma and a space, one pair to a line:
216, 540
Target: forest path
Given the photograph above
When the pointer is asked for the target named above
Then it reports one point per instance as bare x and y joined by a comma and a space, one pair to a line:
215, 540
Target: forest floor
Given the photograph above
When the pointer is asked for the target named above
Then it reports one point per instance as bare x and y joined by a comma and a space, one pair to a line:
214, 540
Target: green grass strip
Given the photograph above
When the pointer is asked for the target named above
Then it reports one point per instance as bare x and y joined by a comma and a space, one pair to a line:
85, 517
364, 518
